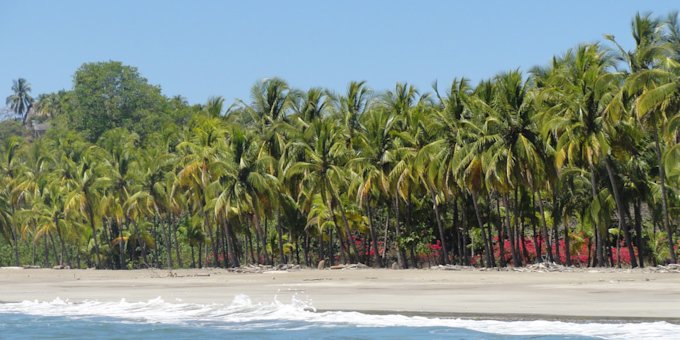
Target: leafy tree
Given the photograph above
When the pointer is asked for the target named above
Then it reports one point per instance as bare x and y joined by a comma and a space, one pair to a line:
109, 95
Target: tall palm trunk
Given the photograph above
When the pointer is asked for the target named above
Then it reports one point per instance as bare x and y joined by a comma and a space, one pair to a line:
279, 232
487, 251
15, 244
90, 214
622, 215
231, 253
511, 236
397, 234
343, 215
374, 236
599, 238
466, 232
664, 203
501, 236
556, 228
544, 226
168, 244
61, 242
177, 244
444, 255
638, 230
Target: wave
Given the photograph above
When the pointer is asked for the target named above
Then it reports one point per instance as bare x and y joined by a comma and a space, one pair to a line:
242, 312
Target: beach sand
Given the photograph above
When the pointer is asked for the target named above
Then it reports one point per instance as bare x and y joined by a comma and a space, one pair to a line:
602, 295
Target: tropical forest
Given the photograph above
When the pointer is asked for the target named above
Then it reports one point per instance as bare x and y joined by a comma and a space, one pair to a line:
576, 162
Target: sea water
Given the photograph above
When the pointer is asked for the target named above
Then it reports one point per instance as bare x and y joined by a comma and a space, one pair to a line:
243, 318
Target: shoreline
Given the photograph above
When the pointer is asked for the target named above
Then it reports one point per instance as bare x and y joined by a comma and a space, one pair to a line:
577, 296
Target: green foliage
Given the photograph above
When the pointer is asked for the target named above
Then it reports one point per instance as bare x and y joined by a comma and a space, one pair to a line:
127, 178
109, 95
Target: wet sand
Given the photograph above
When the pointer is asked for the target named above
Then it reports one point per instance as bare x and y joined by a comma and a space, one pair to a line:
610, 295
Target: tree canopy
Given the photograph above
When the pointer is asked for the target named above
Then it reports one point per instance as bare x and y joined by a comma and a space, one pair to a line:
576, 161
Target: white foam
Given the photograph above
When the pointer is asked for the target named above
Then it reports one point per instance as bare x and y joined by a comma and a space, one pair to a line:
242, 312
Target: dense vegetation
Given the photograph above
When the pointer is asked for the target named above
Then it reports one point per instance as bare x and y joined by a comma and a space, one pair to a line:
576, 162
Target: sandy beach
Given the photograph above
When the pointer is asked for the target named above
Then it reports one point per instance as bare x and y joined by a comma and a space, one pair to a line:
613, 295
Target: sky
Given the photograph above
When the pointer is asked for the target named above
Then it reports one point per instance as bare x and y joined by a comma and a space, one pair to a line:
198, 49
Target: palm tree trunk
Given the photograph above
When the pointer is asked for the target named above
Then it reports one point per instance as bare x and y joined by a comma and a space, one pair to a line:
544, 226
514, 232
638, 230
444, 253
343, 250
211, 236
489, 263
466, 233
374, 237
61, 242
599, 239
511, 234
94, 235
397, 234
193, 263
231, 253
623, 226
556, 225
168, 244
305, 248
501, 236
46, 261
177, 244
343, 215
321, 257
15, 244
279, 232
664, 203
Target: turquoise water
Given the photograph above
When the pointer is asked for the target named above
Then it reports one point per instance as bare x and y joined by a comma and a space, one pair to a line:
22, 326
297, 319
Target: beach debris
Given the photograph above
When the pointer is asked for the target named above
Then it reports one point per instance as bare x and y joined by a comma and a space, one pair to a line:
321, 265
31, 267
12, 268
338, 266
452, 267
670, 268
544, 267
395, 265
355, 266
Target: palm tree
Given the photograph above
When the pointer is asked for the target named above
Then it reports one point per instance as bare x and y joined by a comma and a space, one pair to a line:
86, 194
514, 151
645, 64
244, 180
324, 167
20, 101
10, 168
441, 153
372, 164
198, 173
580, 94
352, 107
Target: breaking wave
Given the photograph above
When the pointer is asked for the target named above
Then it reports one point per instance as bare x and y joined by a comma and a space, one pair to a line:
243, 313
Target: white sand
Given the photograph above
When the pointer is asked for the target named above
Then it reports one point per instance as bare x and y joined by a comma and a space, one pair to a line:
624, 294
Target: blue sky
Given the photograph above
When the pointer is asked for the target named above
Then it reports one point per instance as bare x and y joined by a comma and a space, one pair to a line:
203, 48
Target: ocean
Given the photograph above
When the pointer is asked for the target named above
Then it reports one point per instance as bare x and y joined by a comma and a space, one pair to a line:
243, 318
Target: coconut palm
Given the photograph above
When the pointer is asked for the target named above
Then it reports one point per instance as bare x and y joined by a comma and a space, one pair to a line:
324, 168
243, 180
86, 194
200, 151
580, 93
372, 164
658, 102
20, 101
